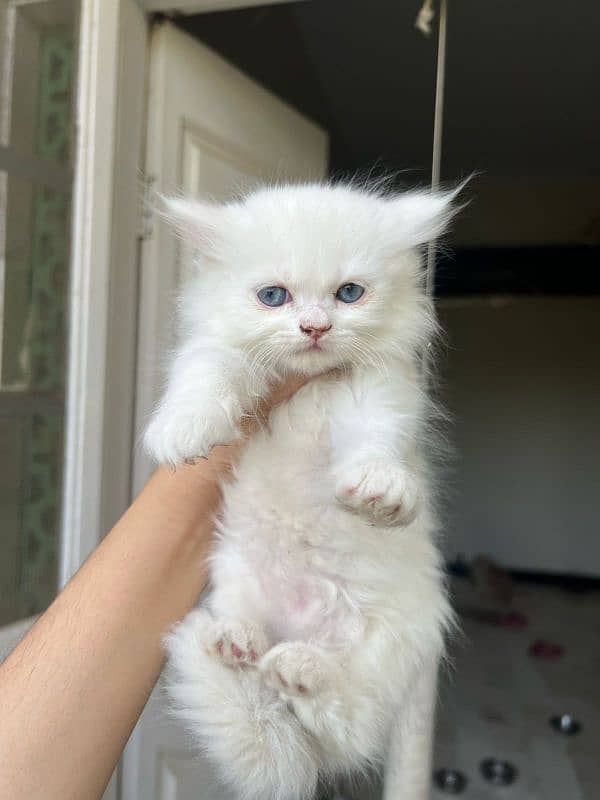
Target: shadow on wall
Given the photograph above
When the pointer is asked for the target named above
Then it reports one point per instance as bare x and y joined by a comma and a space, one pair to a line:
520, 378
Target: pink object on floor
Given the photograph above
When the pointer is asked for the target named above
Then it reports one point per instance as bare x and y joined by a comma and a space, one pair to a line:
547, 650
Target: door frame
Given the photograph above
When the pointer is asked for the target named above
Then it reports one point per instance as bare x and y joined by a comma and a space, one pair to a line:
107, 228
203, 6
103, 287
103, 293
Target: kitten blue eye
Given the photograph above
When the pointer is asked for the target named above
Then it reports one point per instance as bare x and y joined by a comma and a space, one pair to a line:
273, 295
350, 292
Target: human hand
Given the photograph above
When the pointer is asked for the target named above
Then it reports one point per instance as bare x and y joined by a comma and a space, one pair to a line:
279, 393
223, 455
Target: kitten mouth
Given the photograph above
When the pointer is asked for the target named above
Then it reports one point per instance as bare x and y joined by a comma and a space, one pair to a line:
313, 347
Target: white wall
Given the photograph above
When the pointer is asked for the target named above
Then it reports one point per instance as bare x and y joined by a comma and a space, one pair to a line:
522, 382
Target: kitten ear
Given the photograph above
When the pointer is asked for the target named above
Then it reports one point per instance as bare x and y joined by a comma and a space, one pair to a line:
196, 222
419, 217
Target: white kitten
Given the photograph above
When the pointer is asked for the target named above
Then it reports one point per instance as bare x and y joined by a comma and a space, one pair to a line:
327, 612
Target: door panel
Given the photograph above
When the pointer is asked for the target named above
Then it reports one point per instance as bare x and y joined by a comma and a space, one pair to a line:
181, 778
214, 169
212, 132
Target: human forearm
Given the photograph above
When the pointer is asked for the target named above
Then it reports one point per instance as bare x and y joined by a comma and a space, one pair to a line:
72, 691
74, 688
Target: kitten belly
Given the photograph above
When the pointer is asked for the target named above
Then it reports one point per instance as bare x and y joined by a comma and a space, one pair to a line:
289, 577
284, 522
307, 606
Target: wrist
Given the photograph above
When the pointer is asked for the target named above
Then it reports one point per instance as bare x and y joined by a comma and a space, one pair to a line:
185, 499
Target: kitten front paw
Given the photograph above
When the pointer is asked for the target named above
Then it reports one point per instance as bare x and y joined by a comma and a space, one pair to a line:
175, 436
298, 669
383, 492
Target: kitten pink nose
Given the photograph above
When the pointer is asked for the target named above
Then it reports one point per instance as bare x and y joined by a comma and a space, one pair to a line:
315, 331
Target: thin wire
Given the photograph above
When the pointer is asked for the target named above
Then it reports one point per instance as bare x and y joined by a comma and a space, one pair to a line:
438, 123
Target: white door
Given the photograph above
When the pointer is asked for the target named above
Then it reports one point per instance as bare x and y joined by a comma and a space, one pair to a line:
211, 130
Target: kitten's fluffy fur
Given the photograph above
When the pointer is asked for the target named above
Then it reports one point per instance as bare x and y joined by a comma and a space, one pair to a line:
327, 612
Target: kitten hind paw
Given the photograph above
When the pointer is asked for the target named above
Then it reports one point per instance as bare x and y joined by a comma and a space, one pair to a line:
237, 642
298, 669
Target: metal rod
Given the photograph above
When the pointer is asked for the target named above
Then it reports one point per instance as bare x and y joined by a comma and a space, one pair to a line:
438, 123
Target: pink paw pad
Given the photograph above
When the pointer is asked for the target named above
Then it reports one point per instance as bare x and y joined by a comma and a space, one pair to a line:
237, 643
236, 651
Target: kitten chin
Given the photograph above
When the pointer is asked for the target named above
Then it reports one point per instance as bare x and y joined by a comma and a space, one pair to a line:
312, 363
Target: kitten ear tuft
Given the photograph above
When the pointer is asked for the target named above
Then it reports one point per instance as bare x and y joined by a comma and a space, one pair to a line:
420, 216
197, 223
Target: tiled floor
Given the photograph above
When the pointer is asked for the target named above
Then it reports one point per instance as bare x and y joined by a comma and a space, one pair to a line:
496, 699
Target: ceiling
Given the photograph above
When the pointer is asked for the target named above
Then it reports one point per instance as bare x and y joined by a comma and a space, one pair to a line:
521, 89
522, 105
